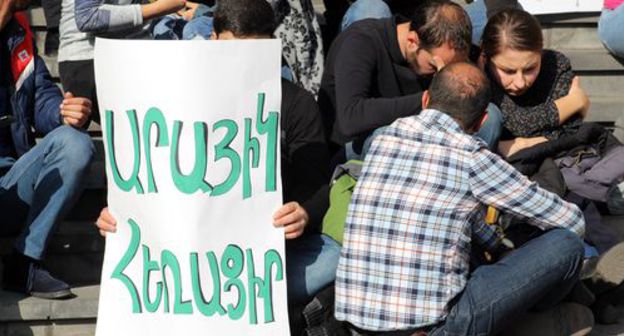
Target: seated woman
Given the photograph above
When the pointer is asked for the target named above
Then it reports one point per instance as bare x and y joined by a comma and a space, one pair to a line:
541, 100
536, 89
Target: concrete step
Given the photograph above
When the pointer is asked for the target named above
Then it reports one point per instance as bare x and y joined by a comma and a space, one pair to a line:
599, 84
605, 109
36, 17
564, 19
51, 62
594, 60
571, 37
21, 315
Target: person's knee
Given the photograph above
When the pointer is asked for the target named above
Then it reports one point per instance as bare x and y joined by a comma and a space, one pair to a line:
568, 244
75, 147
494, 114
365, 9
609, 33
370, 6
200, 27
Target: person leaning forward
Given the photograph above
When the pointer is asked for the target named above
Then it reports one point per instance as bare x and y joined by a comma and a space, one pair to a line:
419, 206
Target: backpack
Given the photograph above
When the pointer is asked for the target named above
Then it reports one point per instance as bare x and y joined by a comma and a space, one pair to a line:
343, 182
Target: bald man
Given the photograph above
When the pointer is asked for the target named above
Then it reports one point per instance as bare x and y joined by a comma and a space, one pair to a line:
418, 208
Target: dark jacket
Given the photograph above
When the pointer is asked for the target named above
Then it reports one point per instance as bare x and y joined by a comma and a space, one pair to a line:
304, 153
367, 82
35, 99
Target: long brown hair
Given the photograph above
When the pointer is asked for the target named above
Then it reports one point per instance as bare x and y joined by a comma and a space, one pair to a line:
514, 29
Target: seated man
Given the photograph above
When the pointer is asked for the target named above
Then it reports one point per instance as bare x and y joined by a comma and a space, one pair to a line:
311, 258
415, 211
377, 69
39, 184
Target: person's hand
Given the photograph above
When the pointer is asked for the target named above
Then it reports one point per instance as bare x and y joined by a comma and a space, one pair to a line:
189, 11
293, 218
106, 223
580, 95
437, 63
75, 110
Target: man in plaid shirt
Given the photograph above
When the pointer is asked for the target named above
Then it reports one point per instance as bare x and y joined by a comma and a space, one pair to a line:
417, 208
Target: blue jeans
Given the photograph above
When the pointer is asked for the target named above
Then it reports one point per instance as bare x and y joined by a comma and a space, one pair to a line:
365, 9
489, 132
173, 27
610, 30
478, 17
311, 263
41, 186
377, 9
537, 276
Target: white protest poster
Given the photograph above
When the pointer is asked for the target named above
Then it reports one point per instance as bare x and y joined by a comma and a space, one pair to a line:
561, 6
191, 134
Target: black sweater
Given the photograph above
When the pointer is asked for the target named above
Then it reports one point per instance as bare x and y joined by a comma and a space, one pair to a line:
304, 153
367, 82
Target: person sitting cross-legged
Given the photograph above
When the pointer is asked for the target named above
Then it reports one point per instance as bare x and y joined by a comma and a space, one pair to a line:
418, 210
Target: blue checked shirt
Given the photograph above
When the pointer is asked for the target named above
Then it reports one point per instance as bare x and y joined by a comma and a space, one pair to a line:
416, 208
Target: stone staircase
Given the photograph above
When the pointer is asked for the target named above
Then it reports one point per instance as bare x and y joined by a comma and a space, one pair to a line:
602, 75
76, 251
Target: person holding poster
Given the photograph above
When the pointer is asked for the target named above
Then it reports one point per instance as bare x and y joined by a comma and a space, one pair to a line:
311, 258
38, 183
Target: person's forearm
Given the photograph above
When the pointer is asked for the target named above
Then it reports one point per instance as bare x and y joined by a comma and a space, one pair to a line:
568, 106
160, 8
508, 148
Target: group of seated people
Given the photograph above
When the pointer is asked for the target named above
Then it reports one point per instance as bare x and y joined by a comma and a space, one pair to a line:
447, 132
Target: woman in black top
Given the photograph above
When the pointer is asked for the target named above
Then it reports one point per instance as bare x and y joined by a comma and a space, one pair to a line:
536, 90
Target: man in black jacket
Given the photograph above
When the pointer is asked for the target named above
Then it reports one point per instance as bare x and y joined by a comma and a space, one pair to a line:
376, 70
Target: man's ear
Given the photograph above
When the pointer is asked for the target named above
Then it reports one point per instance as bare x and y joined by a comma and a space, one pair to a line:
213, 36
425, 99
413, 42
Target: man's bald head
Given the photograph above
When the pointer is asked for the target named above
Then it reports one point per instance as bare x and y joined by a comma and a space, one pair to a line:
462, 91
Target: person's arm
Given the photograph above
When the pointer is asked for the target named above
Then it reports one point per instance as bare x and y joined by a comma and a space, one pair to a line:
47, 99
305, 143
507, 148
95, 16
496, 183
356, 111
570, 97
576, 101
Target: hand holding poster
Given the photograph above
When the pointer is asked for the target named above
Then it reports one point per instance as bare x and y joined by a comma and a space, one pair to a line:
191, 133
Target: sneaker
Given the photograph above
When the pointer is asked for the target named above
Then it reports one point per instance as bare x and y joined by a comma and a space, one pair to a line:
25, 275
605, 272
565, 319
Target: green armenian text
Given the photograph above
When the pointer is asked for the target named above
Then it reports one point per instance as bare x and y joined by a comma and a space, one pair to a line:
241, 163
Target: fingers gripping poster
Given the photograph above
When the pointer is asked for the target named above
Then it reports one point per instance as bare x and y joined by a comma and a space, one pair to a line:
191, 136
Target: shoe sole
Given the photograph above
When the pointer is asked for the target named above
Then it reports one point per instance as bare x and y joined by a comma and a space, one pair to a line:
583, 332
610, 267
58, 295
